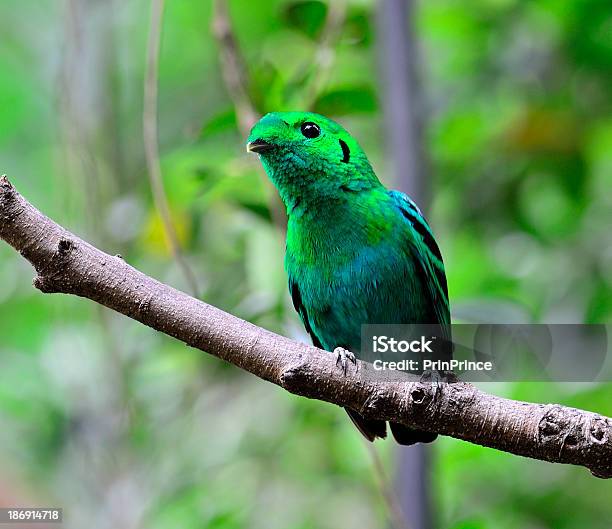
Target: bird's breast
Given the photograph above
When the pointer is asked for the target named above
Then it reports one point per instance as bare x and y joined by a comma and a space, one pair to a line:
343, 290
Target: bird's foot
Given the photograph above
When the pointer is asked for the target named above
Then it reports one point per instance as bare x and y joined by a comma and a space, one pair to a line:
343, 357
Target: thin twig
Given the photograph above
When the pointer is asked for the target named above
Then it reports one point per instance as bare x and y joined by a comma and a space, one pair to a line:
236, 80
325, 54
150, 134
396, 515
233, 68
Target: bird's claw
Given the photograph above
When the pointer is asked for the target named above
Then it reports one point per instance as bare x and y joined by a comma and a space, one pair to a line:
343, 357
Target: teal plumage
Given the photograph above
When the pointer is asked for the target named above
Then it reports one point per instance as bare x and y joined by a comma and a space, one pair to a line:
356, 252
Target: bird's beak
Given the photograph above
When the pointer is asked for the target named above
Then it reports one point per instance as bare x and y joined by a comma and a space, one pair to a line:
259, 146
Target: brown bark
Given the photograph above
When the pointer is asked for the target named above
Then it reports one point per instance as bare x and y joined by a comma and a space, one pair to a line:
64, 263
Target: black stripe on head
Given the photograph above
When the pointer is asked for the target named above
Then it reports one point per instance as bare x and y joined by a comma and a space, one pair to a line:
419, 225
346, 153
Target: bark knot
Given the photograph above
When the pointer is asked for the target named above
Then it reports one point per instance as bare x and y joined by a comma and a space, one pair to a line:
65, 246
599, 429
421, 396
563, 428
553, 423
144, 305
7, 194
7, 188
295, 375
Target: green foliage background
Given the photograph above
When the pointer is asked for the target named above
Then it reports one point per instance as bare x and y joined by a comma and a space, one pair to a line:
124, 427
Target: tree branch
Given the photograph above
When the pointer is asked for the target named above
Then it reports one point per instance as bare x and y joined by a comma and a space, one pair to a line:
64, 263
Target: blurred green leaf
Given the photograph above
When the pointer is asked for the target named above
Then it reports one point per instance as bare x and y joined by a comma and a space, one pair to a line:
345, 101
307, 16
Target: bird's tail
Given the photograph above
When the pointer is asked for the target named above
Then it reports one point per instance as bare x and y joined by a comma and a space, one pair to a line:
369, 428
405, 435
372, 429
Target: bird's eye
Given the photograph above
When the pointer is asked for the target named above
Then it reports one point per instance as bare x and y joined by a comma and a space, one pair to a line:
310, 129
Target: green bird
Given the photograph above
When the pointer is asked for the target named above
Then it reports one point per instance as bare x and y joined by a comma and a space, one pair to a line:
356, 252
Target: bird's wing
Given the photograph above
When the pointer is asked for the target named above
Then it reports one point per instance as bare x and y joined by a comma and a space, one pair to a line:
296, 297
426, 254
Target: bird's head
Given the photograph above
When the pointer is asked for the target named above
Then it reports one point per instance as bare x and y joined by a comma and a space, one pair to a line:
307, 155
